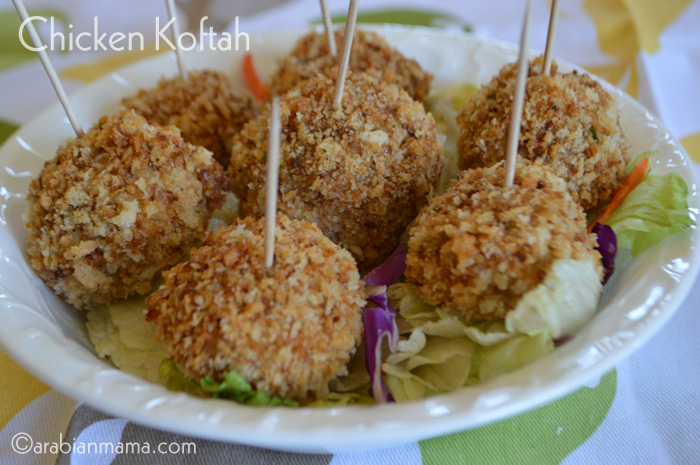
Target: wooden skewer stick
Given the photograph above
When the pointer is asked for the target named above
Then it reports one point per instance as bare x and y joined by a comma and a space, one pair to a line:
272, 181
176, 33
516, 113
347, 46
551, 32
50, 71
328, 25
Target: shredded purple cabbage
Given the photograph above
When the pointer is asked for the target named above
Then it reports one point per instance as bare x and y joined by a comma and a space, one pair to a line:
390, 271
607, 246
380, 321
378, 326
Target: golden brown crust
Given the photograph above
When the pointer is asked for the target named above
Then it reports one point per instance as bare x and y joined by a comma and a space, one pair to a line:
479, 247
370, 54
361, 173
569, 121
116, 206
288, 330
203, 107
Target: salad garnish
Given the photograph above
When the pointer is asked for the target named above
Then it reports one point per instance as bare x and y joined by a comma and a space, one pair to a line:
607, 247
380, 321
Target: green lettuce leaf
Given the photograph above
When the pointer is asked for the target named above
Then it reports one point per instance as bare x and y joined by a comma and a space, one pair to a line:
654, 210
120, 332
235, 388
337, 399
413, 309
443, 366
457, 95
511, 355
441, 351
175, 380
638, 158
555, 306
444, 104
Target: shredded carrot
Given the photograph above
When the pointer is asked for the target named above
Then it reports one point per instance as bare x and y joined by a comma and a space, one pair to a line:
252, 80
630, 182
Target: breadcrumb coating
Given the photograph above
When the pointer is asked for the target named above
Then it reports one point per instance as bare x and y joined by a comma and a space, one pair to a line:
569, 122
479, 247
370, 54
360, 172
287, 330
116, 206
204, 107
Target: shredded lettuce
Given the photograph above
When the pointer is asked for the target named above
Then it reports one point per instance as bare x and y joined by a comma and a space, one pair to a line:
175, 380
120, 332
235, 388
648, 154
337, 399
654, 210
439, 348
556, 307
444, 104
510, 355
456, 95
430, 366
441, 351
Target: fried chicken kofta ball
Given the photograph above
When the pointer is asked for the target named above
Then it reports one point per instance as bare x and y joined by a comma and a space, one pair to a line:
569, 122
360, 172
370, 54
480, 247
288, 330
204, 107
116, 206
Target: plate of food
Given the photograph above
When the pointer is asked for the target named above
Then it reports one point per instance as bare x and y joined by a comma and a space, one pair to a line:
407, 300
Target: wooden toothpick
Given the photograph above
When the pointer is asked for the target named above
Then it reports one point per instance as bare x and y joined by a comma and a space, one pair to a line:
272, 181
328, 25
347, 46
516, 113
170, 5
551, 32
50, 71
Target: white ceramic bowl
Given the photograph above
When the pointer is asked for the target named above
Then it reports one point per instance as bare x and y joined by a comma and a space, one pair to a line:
49, 338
